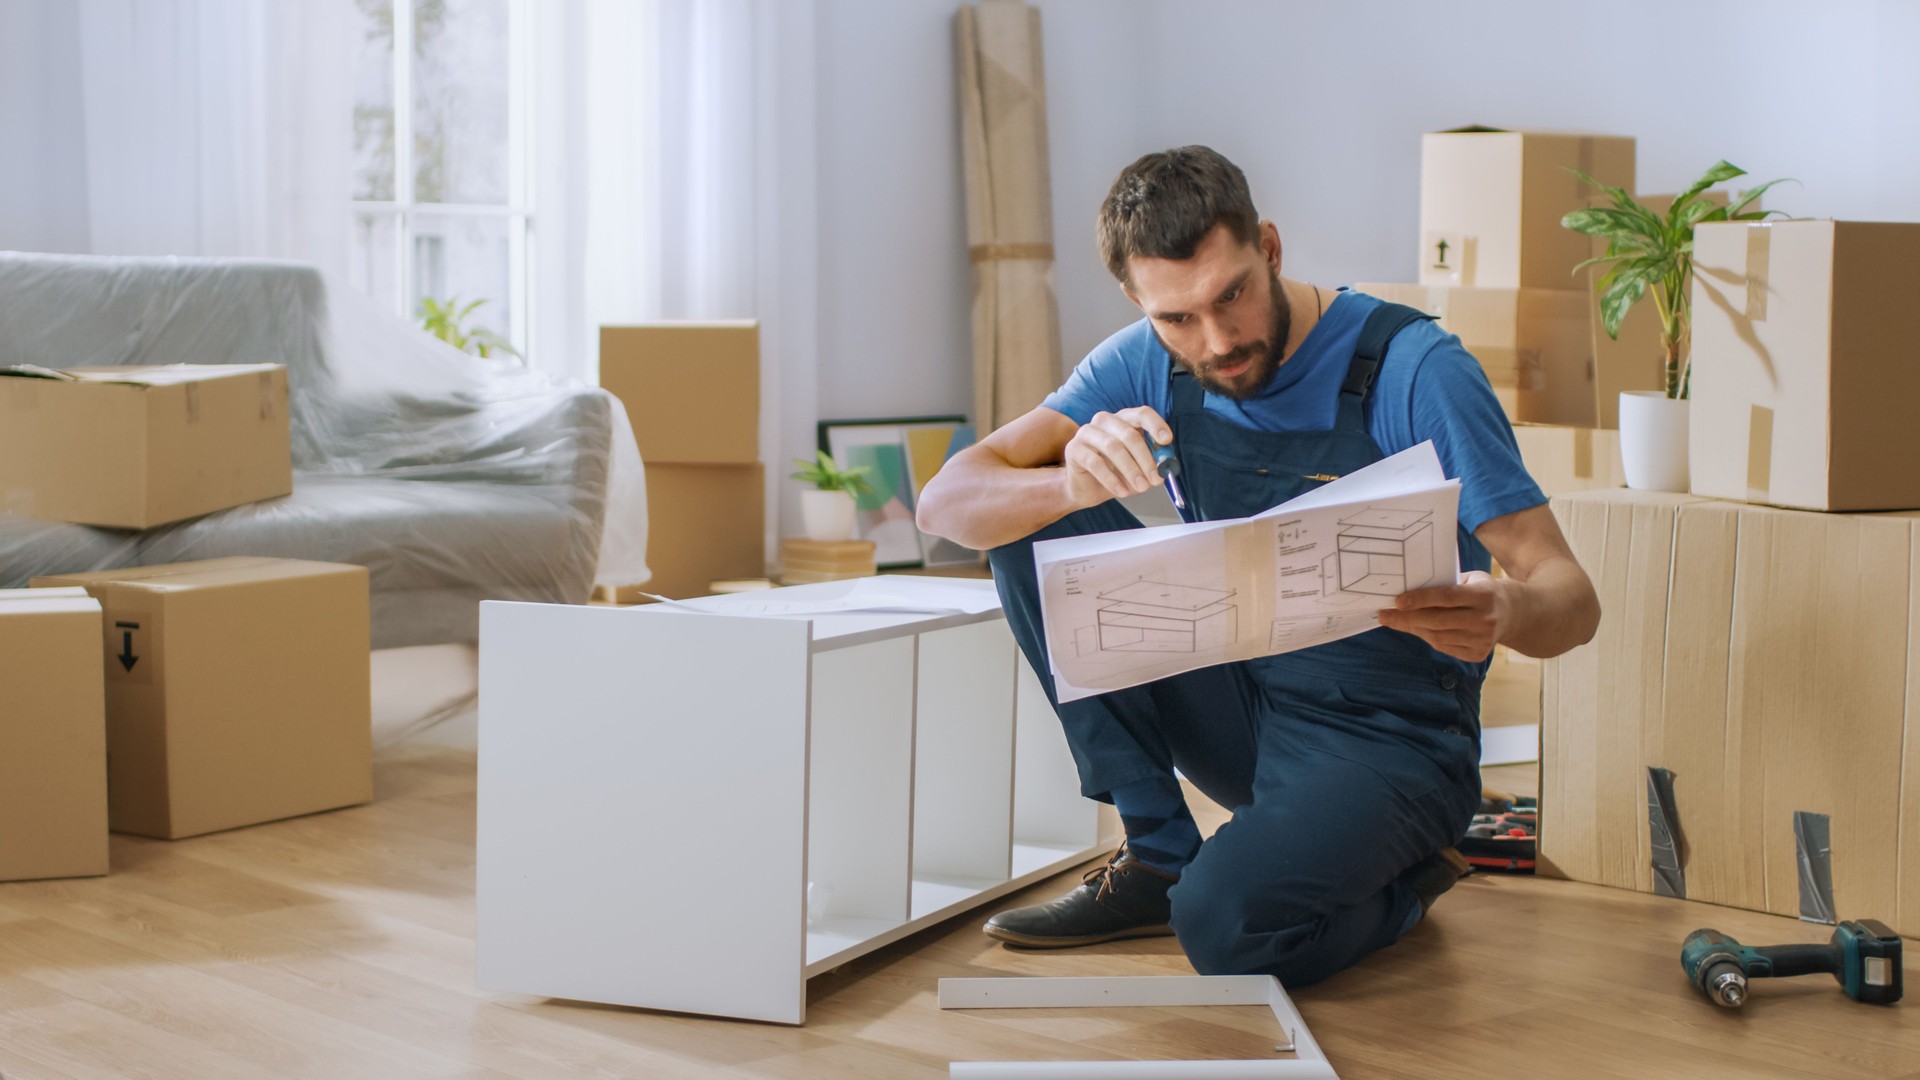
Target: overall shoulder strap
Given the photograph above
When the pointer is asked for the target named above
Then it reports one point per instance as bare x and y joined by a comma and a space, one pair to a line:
1379, 329
1187, 397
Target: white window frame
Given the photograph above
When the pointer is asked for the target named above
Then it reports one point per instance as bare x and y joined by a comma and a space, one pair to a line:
403, 210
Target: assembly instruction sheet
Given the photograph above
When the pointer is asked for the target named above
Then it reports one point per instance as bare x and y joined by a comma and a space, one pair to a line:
1126, 608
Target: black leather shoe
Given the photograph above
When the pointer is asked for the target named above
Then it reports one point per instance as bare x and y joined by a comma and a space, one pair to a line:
1126, 898
1437, 873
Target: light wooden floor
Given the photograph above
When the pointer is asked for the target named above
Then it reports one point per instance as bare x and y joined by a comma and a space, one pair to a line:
341, 945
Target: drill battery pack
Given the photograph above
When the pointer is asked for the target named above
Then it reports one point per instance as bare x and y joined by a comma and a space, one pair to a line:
1503, 836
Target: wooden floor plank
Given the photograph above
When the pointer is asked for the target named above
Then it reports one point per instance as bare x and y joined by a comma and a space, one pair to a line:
341, 945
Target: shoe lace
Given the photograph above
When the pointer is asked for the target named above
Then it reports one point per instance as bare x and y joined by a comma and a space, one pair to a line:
1103, 874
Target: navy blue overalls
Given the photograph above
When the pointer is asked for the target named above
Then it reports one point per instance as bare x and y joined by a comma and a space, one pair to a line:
1343, 764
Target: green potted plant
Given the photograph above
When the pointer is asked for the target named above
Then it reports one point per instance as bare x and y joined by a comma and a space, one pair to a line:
1649, 253
446, 322
826, 512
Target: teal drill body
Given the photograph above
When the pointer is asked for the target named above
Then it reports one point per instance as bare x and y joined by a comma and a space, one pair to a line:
1864, 955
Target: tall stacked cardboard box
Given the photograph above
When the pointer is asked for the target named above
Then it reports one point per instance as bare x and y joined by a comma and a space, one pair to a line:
1767, 657
692, 392
1497, 269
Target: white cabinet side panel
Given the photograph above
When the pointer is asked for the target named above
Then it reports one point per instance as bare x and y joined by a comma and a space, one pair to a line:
642, 808
861, 794
1048, 808
963, 753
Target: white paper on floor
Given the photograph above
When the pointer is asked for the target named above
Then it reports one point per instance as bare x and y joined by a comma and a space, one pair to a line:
1512, 745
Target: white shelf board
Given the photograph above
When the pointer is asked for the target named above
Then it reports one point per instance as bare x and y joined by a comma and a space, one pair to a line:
1031, 857
933, 893
839, 631
829, 961
833, 935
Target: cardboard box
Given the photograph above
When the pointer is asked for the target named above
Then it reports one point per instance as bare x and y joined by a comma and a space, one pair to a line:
1766, 658
1495, 199
803, 560
1534, 344
705, 523
1565, 459
1804, 377
134, 447
237, 691
53, 742
692, 390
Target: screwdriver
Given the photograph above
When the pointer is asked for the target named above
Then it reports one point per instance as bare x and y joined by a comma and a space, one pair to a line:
1168, 466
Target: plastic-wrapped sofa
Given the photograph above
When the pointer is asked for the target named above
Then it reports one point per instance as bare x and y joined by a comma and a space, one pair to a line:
451, 478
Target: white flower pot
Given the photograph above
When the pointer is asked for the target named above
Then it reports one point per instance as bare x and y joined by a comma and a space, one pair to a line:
826, 515
1653, 440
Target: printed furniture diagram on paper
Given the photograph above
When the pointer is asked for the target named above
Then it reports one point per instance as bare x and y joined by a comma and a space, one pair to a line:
1159, 616
1382, 552
1129, 607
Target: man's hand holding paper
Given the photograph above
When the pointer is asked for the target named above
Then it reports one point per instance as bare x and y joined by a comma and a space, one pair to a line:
1464, 621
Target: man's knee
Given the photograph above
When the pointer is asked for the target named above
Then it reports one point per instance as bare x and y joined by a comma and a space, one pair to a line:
1230, 925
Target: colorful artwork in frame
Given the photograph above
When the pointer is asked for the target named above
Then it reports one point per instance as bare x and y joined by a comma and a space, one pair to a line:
903, 454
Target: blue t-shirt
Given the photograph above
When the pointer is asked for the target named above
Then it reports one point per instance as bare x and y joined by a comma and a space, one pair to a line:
1429, 387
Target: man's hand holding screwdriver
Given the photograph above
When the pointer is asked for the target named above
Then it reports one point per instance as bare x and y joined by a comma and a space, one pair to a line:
1110, 456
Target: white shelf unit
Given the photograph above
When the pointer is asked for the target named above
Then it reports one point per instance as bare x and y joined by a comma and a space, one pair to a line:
658, 786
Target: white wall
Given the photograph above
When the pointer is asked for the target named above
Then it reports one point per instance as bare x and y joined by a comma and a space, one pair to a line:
1322, 104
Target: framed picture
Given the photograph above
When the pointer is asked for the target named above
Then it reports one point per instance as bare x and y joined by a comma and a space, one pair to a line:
903, 454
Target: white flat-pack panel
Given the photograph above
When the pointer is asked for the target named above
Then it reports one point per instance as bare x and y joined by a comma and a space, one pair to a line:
641, 819
935, 894
861, 794
1048, 809
963, 752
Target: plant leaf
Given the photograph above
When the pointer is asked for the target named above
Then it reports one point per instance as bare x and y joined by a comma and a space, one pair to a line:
1607, 223
1624, 291
1748, 198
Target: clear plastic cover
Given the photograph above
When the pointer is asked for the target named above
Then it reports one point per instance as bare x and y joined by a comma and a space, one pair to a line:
452, 478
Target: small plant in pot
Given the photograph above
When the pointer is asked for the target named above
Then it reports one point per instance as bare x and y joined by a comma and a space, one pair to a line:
1652, 254
826, 512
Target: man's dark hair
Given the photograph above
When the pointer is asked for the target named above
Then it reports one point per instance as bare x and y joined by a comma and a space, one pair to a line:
1163, 205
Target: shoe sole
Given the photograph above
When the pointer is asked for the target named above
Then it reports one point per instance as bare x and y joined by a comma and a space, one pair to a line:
1028, 941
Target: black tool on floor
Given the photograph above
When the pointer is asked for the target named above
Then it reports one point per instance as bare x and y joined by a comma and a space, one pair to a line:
1504, 835
1864, 956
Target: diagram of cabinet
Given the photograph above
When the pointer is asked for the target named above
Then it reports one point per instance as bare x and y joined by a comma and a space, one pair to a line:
1381, 552
1156, 616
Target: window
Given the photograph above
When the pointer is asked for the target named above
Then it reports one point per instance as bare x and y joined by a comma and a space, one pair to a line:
442, 159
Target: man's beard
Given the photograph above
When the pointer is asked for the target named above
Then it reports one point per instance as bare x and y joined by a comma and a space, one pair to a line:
1266, 354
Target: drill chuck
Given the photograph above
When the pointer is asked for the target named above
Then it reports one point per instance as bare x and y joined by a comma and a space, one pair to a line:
1726, 985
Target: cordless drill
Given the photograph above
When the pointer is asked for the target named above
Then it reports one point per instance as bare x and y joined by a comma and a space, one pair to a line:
1864, 956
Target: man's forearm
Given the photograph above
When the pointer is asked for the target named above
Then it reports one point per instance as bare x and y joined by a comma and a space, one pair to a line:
980, 501
1554, 610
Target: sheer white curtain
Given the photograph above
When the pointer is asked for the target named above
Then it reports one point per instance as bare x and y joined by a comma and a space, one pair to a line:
677, 183
216, 127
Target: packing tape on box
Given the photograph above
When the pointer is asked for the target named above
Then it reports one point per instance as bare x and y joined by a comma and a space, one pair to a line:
1759, 452
266, 395
1663, 835
1759, 256
1583, 454
1813, 844
193, 403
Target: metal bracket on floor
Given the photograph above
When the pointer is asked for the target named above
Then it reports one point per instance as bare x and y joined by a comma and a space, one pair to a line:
1151, 990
